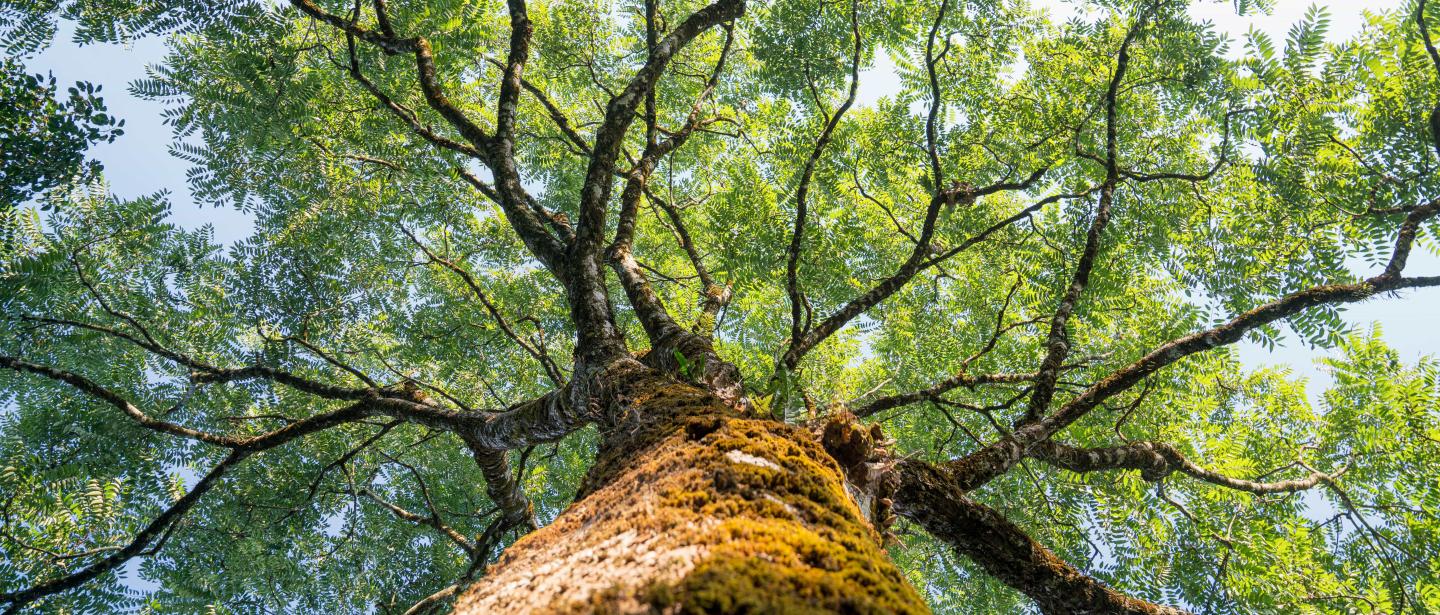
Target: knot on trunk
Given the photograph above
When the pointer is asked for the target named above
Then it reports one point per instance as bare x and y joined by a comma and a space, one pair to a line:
862, 451
847, 440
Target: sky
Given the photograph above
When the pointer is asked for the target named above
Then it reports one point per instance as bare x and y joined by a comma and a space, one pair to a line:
138, 163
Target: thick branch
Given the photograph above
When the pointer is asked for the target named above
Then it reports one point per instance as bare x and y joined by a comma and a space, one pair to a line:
590, 308
1156, 460
620, 113
503, 488
654, 317
509, 188
544, 419
497, 152
929, 497
636, 179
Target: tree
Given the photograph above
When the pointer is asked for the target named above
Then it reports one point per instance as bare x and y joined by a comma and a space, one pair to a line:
628, 307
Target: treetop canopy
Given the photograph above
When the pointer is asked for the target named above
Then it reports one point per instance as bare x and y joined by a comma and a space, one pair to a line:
426, 212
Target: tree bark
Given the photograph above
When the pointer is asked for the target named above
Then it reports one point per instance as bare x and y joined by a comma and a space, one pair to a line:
935, 501
695, 507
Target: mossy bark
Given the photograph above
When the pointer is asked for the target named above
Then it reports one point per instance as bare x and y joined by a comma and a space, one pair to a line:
693, 507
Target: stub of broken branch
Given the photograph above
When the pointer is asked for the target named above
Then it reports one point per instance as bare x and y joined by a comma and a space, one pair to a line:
863, 452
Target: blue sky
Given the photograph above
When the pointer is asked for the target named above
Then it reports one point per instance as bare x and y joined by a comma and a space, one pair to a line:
138, 163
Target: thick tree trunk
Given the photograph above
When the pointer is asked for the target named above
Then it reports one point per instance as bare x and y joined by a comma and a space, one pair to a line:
695, 508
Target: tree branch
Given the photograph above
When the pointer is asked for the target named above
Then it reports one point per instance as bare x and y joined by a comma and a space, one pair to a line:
620, 112
92, 389
715, 295
934, 391
19, 599
428, 602
981, 466
503, 488
403, 112
424, 65
497, 152
798, 325
920, 259
556, 115
927, 495
1155, 461
659, 326
590, 309
202, 372
1057, 344
551, 369
513, 198
162, 524
433, 520
636, 179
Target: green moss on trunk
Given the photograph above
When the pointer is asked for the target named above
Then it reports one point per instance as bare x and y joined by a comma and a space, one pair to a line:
693, 509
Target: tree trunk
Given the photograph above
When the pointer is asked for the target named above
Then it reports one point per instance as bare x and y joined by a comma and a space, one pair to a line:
693, 507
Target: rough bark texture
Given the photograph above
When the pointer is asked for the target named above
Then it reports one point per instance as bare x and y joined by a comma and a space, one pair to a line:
932, 499
693, 507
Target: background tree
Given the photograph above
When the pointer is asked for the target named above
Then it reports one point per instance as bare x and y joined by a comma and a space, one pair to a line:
642, 283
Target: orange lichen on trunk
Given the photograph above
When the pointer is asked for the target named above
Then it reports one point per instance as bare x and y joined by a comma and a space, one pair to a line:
694, 509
